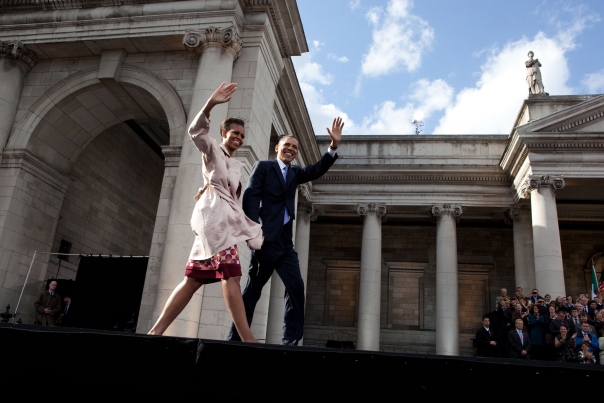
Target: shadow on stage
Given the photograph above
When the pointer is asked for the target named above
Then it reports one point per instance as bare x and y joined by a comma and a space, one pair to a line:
77, 364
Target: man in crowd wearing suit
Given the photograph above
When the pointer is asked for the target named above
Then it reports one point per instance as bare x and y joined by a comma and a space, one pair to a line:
519, 342
585, 336
535, 296
486, 345
48, 306
554, 325
584, 318
67, 317
269, 199
575, 319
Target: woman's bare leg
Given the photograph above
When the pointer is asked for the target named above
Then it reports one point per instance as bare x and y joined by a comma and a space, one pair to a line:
234, 303
179, 299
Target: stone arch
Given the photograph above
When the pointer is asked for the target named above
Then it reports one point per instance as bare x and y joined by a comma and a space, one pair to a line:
59, 125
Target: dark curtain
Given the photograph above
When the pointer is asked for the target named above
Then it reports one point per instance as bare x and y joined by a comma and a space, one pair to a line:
108, 291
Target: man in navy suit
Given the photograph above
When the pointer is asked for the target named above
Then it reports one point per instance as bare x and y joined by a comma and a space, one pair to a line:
269, 199
519, 342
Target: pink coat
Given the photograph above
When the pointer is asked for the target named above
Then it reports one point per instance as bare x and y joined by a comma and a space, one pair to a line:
218, 221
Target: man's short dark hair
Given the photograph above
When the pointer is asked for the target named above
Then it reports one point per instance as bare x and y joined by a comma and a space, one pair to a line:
573, 309
486, 317
227, 123
584, 314
284, 136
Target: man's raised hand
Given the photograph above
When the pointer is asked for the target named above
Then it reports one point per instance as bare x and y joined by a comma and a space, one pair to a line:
336, 131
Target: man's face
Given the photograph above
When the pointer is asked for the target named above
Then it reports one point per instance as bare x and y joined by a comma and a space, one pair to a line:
535, 292
66, 300
574, 313
519, 324
583, 319
579, 307
287, 149
593, 305
540, 302
504, 292
486, 322
585, 327
52, 286
561, 315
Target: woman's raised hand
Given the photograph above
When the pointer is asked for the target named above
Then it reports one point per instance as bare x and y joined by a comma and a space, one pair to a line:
223, 93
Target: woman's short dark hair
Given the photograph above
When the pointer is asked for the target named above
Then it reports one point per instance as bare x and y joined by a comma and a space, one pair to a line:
227, 123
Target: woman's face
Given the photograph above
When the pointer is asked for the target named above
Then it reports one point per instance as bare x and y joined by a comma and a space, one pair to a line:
563, 330
234, 138
552, 311
548, 298
599, 316
569, 299
535, 309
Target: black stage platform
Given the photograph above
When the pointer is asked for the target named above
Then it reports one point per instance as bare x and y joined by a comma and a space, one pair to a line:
85, 365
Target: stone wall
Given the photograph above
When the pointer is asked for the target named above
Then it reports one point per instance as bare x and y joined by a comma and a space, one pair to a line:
111, 206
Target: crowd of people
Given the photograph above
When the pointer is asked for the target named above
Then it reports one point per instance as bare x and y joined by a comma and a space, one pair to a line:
564, 329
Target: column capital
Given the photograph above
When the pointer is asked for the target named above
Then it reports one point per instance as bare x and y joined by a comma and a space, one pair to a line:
214, 37
534, 182
308, 209
452, 210
364, 209
17, 51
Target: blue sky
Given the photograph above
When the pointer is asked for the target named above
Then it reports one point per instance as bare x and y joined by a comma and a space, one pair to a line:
456, 65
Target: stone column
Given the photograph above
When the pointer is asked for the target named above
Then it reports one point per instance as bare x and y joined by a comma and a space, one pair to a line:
15, 62
218, 48
370, 287
447, 305
549, 271
524, 260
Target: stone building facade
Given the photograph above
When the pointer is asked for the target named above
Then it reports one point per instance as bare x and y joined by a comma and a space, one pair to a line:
404, 244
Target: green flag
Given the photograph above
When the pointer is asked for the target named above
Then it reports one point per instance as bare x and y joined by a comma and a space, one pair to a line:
594, 282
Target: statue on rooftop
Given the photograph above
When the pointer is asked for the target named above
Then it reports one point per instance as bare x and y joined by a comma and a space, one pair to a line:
533, 75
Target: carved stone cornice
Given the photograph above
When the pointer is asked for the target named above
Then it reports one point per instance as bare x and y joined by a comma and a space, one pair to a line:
172, 155
214, 37
451, 210
305, 191
17, 51
29, 162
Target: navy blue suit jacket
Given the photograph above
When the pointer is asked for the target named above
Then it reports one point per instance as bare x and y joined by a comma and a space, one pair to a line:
266, 185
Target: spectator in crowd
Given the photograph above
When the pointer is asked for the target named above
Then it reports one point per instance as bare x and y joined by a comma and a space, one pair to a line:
585, 336
551, 314
520, 297
48, 306
569, 303
599, 303
519, 342
486, 345
579, 307
519, 313
575, 320
535, 295
586, 355
537, 330
503, 295
601, 357
557, 323
559, 303
542, 307
592, 309
548, 299
598, 323
501, 324
565, 345
66, 317
584, 318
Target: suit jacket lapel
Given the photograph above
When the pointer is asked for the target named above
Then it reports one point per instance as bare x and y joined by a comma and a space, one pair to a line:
290, 176
279, 173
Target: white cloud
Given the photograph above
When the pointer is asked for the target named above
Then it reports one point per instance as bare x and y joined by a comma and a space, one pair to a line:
341, 59
492, 105
399, 39
311, 72
317, 45
354, 4
594, 82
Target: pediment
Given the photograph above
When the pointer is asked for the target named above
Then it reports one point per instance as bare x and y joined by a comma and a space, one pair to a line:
584, 117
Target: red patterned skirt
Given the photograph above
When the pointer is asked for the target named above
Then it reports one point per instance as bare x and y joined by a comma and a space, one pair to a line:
222, 265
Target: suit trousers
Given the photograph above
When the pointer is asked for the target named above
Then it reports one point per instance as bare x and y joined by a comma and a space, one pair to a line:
277, 256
